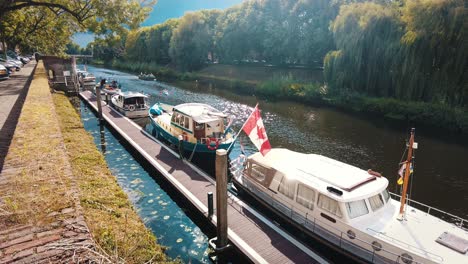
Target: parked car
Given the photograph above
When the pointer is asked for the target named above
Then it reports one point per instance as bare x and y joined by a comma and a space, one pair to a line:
17, 62
11, 65
3, 73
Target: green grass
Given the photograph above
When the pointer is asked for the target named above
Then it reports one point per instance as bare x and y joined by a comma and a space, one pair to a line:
113, 222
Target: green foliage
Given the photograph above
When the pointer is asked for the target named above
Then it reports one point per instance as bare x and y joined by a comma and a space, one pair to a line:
416, 51
287, 87
436, 115
47, 26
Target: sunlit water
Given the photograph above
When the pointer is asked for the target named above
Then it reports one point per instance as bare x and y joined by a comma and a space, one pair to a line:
159, 212
441, 174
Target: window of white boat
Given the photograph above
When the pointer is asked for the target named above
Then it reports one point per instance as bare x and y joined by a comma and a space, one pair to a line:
305, 196
376, 202
386, 195
258, 172
287, 187
329, 205
357, 208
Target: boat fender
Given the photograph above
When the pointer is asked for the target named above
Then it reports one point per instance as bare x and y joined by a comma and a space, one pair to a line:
208, 143
374, 173
131, 107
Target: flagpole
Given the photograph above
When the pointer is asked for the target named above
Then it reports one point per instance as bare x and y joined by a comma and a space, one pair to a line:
240, 130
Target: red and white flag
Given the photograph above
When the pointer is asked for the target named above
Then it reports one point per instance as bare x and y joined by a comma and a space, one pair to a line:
255, 129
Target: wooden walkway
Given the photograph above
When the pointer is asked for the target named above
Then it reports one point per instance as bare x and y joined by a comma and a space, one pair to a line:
257, 237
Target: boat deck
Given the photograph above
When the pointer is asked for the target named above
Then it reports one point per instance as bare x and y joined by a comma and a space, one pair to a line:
257, 237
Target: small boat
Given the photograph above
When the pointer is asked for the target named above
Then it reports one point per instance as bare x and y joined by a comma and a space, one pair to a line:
200, 127
350, 209
147, 77
130, 104
87, 79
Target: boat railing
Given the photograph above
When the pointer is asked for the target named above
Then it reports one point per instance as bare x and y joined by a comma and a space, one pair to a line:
394, 240
458, 221
350, 242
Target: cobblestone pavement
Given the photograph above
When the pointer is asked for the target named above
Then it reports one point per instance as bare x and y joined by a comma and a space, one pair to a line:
12, 94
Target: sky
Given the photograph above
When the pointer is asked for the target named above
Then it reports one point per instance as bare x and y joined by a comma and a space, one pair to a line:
165, 9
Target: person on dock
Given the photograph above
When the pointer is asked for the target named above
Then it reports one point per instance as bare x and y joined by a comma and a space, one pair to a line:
103, 82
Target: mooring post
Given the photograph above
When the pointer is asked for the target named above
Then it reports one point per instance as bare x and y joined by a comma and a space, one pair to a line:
98, 95
221, 198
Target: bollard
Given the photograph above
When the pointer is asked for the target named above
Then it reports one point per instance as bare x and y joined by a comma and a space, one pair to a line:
210, 204
221, 198
98, 95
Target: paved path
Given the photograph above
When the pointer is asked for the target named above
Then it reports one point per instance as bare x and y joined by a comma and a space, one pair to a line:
41, 220
12, 94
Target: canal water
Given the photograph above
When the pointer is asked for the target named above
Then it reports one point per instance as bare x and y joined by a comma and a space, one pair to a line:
440, 173
167, 219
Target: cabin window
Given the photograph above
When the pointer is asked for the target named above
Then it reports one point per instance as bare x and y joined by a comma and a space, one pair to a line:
376, 202
287, 187
305, 196
177, 119
258, 172
329, 205
199, 126
386, 195
186, 123
356, 208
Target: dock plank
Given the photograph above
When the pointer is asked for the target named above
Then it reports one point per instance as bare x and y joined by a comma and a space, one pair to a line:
255, 236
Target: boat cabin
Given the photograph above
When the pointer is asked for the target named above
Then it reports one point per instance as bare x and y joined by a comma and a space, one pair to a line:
201, 120
314, 184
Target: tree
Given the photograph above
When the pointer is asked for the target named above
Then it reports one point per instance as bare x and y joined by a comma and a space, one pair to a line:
101, 17
192, 40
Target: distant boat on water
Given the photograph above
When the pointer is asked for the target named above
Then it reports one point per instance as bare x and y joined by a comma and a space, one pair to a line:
350, 209
147, 77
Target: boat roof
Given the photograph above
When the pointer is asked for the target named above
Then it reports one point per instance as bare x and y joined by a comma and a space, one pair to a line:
200, 113
132, 94
321, 172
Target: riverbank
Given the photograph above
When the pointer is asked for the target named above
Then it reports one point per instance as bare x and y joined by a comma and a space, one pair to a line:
58, 200
290, 87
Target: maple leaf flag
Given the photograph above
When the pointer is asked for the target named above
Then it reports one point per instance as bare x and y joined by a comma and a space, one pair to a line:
255, 129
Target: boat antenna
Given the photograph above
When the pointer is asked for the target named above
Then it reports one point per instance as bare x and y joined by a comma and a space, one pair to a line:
411, 146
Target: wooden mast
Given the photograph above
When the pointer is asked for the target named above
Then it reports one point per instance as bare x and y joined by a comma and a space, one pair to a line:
407, 174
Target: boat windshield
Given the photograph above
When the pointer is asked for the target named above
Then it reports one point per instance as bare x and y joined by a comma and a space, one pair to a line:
356, 208
135, 101
386, 195
376, 202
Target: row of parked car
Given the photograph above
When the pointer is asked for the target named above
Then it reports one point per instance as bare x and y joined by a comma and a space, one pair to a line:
12, 63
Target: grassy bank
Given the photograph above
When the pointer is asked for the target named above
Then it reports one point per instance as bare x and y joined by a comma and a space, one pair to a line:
291, 88
113, 222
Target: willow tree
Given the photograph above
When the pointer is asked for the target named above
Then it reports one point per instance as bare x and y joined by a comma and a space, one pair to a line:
435, 44
367, 37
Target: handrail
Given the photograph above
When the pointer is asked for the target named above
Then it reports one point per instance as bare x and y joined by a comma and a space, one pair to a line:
462, 223
441, 259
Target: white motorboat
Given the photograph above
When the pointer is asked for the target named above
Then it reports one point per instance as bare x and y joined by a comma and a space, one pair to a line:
131, 104
350, 209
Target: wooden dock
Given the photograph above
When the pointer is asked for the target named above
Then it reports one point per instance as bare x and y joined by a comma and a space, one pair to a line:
257, 237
